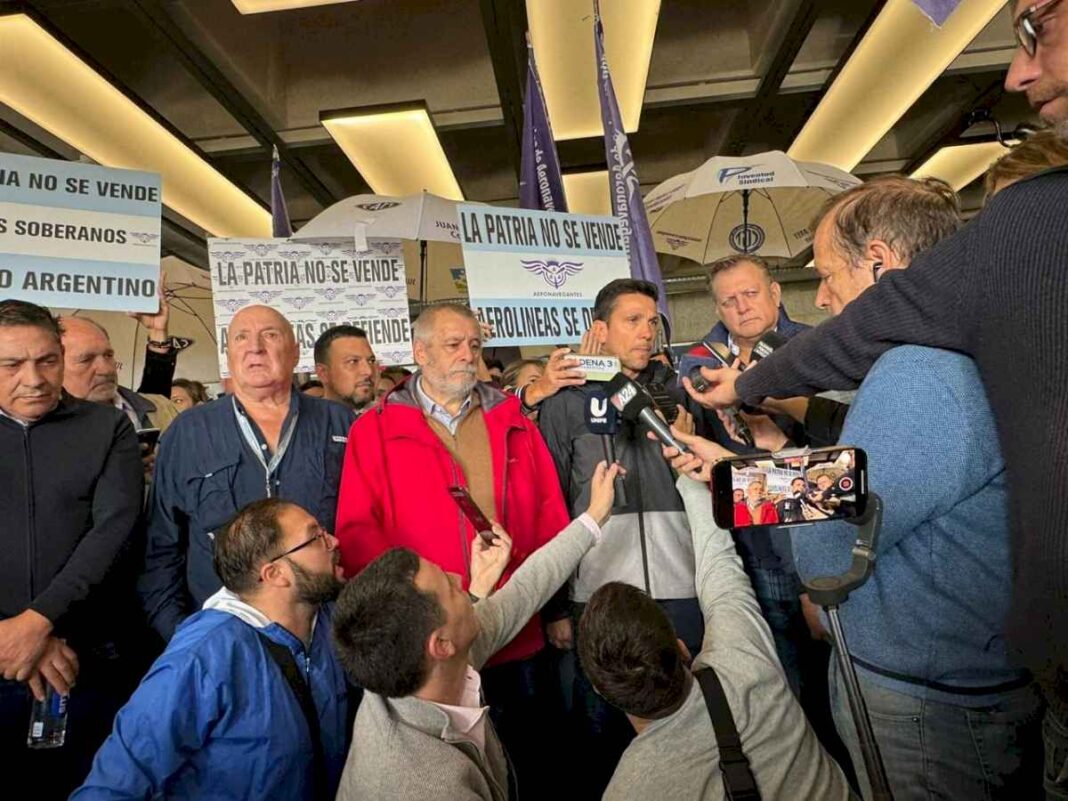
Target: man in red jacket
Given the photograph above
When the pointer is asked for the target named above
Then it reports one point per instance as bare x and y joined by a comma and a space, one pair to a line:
442, 428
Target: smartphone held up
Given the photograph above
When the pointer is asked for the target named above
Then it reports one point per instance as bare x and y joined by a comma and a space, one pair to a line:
790, 488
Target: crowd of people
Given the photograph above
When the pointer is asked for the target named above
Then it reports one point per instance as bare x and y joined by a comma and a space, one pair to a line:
282, 598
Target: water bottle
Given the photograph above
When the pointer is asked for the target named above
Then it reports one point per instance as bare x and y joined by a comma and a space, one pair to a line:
48, 721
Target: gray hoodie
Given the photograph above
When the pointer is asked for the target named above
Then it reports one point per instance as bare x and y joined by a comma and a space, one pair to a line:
677, 756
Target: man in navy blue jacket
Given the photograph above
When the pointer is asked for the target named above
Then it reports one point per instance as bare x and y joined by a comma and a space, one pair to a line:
265, 440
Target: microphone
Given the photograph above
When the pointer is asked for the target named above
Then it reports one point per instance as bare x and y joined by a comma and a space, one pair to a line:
723, 353
602, 419
767, 345
634, 405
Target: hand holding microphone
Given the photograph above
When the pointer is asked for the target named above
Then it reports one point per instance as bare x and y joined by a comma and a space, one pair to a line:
635, 405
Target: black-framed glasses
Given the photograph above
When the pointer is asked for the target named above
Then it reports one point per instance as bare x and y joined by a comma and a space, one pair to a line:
321, 534
1028, 26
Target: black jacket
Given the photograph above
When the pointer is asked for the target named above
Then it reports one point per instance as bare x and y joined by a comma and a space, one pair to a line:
647, 542
72, 493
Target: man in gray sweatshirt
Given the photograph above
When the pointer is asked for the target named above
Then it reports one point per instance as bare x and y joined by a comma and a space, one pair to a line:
414, 640
634, 659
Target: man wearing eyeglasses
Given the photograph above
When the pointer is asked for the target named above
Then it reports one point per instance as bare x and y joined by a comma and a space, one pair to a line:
266, 440
220, 714
1006, 266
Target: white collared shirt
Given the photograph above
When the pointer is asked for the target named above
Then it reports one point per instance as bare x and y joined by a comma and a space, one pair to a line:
120, 403
468, 720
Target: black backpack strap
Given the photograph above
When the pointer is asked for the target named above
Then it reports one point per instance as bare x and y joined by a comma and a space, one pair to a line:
284, 658
733, 764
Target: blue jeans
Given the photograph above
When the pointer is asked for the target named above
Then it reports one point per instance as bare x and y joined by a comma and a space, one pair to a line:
933, 750
1055, 735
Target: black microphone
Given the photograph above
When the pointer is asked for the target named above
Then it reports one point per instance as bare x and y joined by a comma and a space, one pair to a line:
634, 404
723, 353
602, 419
767, 345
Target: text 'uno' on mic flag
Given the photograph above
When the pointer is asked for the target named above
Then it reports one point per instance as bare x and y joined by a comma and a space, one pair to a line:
937, 11
279, 213
541, 185
624, 186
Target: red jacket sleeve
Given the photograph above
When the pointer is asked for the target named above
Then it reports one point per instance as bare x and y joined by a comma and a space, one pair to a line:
360, 528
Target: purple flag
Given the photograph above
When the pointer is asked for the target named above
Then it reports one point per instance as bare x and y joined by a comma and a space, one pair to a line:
937, 11
624, 186
540, 184
279, 213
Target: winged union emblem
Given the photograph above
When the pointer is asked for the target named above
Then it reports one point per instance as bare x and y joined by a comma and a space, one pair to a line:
259, 248
325, 248
389, 248
266, 295
349, 252
330, 315
392, 312
395, 355
143, 237
330, 292
392, 291
676, 242
231, 304
360, 299
291, 254
379, 206
298, 302
554, 272
229, 255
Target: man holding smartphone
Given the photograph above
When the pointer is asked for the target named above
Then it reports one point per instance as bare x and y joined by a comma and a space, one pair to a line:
442, 429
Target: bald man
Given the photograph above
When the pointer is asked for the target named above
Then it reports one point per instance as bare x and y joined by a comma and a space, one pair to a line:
264, 440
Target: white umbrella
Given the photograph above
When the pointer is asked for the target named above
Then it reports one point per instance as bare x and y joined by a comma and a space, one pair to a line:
418, 218
760, 204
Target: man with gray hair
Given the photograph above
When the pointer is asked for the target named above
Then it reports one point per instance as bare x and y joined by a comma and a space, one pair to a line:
443, 429
264, 440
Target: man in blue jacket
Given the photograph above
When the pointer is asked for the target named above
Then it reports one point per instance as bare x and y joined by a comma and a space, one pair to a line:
217, 716
266, 440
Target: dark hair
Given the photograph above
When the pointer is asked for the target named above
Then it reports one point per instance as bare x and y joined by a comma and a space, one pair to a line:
909, 215
491, 363
326, 339
628, 649
381, 625
730, 262
20, 313
396, 373
610, 292
247, 541
311, 383
197, 391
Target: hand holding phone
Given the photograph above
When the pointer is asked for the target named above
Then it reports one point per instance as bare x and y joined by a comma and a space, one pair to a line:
474, 515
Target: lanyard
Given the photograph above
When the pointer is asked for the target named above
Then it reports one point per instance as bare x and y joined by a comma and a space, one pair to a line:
258, 447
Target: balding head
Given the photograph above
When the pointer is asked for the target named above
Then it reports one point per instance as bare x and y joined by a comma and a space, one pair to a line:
261, 352
90, 371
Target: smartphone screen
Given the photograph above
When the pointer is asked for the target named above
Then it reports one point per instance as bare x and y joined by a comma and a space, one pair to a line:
148, 436
794, 489
474, 515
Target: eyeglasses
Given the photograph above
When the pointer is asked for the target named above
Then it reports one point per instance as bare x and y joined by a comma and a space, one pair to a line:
320, 534
1028, 26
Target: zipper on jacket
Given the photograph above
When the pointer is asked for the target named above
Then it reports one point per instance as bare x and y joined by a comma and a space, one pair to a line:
31, 517
641, 523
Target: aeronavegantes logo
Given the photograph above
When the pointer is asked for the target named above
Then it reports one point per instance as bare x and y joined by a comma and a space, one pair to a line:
554, 272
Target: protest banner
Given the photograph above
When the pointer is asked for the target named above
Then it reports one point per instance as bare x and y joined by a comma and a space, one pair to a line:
533, 275
315, 285
78, 235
